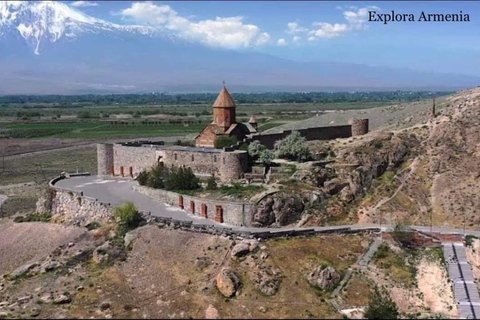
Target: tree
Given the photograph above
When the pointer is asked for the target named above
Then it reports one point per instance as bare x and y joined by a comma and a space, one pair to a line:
211, 183
402, 233
182, 178
293, 147
266, 156
381, 306
255, 148
225, 141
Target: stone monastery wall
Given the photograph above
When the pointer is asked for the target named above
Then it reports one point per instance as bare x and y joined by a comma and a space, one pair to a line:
318, 133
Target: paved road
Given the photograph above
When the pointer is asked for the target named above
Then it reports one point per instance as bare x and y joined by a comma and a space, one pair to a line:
116, 192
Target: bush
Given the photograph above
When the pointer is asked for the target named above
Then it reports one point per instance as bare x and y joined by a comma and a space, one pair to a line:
402, 233
127, 217
266, 156
381, 306
292, 147
211, 183
225, 141
255, 148
182, 178
142, 178
157, 176
31, 217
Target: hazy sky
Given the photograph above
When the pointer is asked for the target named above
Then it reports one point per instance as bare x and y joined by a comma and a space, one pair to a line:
316, 31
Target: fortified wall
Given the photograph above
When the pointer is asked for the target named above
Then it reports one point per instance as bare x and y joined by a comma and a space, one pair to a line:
128, 160
356, 127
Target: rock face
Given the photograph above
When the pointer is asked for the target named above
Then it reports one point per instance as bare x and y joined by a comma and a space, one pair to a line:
279, 209
228, 283
323, 277
267, 280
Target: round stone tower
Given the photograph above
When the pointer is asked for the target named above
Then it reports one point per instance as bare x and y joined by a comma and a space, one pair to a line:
233, 164
359, 127
104, 159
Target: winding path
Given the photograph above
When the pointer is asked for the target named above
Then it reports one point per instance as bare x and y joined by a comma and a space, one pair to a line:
116, 192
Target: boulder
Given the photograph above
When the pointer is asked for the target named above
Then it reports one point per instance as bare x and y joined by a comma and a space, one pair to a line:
62, 299
323, 277
334, 186
267, 280
241, 249
129, 238
23, 270
100, 253
228, 283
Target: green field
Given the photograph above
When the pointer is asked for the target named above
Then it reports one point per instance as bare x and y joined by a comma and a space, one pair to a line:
87, 130
44, 167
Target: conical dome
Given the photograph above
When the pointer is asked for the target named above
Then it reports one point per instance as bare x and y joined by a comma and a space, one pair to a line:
224, 100
252, 119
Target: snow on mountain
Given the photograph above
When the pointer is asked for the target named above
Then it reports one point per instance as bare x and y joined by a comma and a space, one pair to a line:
37, 22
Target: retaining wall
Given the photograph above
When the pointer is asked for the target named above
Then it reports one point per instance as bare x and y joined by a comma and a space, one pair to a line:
239, 214
77, 209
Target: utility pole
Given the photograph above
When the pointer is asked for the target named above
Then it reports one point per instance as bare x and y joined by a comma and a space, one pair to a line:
433, 109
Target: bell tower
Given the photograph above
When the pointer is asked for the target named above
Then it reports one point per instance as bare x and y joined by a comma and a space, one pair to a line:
224, 109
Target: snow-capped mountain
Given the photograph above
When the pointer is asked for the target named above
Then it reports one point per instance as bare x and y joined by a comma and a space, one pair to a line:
77, 53
51, 21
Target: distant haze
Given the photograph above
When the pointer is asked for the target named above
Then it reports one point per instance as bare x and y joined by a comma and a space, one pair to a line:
95, 56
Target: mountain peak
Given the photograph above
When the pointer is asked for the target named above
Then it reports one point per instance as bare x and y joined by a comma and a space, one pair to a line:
37, 22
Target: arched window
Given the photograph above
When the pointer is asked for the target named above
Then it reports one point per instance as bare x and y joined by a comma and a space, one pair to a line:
175, 156
193, 157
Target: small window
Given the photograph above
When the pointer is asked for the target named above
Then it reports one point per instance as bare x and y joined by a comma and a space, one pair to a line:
223, 160
193, 157
214, 158
175, 156
226, 119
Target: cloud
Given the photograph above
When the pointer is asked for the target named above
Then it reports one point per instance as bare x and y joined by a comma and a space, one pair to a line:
281, 42
80, 4
327, 30
228, 32
294, 28
356, 19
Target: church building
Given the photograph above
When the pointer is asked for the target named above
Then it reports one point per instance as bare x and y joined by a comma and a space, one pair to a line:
224, 122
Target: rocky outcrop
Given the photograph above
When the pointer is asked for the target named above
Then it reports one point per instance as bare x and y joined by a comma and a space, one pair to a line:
279, 209
228, 283
267, 280
323, 277
243, 248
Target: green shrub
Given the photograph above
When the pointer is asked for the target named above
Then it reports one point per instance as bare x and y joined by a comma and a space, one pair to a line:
381, 306
127, 217
182, 178
31, 217
402, 233
93, 225
211, 183
142, 178
292, 147
225, 141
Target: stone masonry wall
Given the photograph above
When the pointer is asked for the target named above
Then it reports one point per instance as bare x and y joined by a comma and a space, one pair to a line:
138, 158
318, 133
79, 210
239, 214
205, 163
